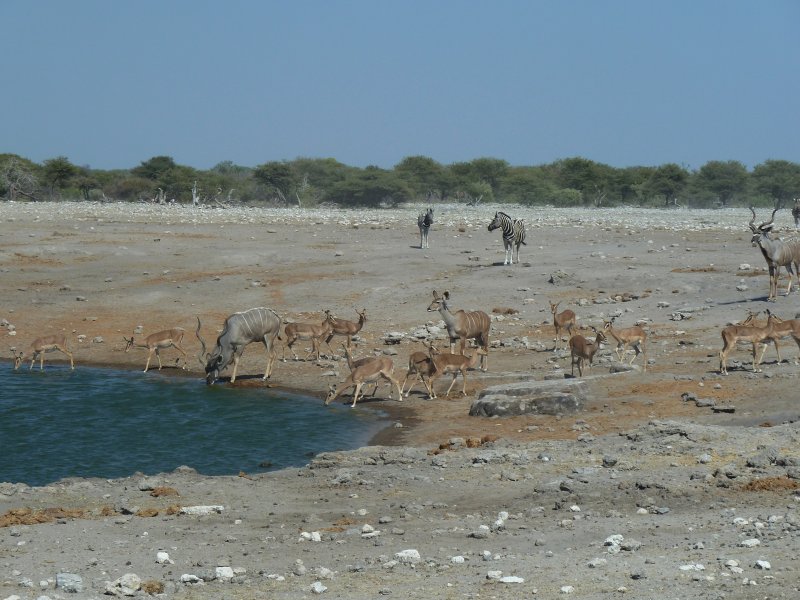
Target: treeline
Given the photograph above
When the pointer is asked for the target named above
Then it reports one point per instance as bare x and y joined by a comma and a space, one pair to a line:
311, 182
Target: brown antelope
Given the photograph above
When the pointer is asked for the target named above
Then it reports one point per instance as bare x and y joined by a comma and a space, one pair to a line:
347, 328
454, 364
629, 336
420, 364
354, 363
582, 349
155, 342
307, 331
381, 367
40, 346
464, 325
563, 320
745, 333
782, 329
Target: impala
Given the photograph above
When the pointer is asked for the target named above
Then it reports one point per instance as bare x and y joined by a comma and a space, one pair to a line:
381, 367
629, 336
40, 346
464, 326
307, 331
782, 329
582, 349
354, 363
745, 333
347, 328
453, 364
155, 342
420, 364
563, 320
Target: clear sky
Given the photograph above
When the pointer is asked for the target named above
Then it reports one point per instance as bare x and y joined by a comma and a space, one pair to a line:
110, 84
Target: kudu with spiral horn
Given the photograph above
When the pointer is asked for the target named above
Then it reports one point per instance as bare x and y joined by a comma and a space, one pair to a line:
778, 253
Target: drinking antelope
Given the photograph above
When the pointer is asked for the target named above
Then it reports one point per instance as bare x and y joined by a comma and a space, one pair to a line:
240, 329
307, 331
424, 222
40, 346
744, 333
453, 364
563, 320
347, 328
777, 253
629, 336
354, 363
155, 342
464, 326
582, 349
381, 367
513, 234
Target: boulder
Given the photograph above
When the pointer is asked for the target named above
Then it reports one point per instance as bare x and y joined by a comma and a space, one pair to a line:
551, 397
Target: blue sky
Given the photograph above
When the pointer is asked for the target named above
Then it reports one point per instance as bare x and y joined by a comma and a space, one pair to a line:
110, 84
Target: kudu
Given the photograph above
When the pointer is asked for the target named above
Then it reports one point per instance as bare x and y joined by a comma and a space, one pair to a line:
582, 349
464, 326
240, 329
777, 253
155, 342
40, 346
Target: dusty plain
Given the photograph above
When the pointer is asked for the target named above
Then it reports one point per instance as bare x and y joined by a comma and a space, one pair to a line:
688, 482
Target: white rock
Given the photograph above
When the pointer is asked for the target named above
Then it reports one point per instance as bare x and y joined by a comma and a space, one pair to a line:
567, 589
457, 560
692, 567
410, 556
189, 578
750, 543
494, 575
163, 558
224, 572
763, 564
511, 579
201, 510
318, 588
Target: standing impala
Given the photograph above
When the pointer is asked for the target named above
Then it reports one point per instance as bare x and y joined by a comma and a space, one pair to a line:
582, 349
464, 326
381, 367
452, 364
745, 333
629, 336
42, 345
563, 320
307, 331
347, 328
155, 342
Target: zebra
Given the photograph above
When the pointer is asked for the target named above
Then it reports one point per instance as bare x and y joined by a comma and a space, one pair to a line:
424, 222
513, 234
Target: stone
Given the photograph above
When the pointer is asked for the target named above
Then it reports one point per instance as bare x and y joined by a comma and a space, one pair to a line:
531, 397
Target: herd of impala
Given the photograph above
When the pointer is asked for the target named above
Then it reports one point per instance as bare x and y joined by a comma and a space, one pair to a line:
263, 325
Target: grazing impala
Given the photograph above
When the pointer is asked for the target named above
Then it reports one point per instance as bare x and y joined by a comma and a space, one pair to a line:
381, 367
582, 349
453, 364
40, 346
629, 336
155, 342
347, 328
240, 329
307, 331
464, 326
563, 320
745, 333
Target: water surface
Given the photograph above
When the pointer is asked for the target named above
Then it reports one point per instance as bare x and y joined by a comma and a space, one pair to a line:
108, 423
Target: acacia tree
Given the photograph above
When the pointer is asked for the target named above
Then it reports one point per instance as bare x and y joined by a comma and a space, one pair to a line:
667, 181
278, 177
779, 179
721, 180
57, 172
17, 178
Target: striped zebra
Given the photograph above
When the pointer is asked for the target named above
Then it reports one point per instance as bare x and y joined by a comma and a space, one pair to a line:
513, 234
424, 222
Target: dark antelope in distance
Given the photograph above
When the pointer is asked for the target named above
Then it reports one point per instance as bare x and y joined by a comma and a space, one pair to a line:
240, 329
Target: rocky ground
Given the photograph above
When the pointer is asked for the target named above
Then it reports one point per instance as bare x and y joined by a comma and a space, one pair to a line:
671, 483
